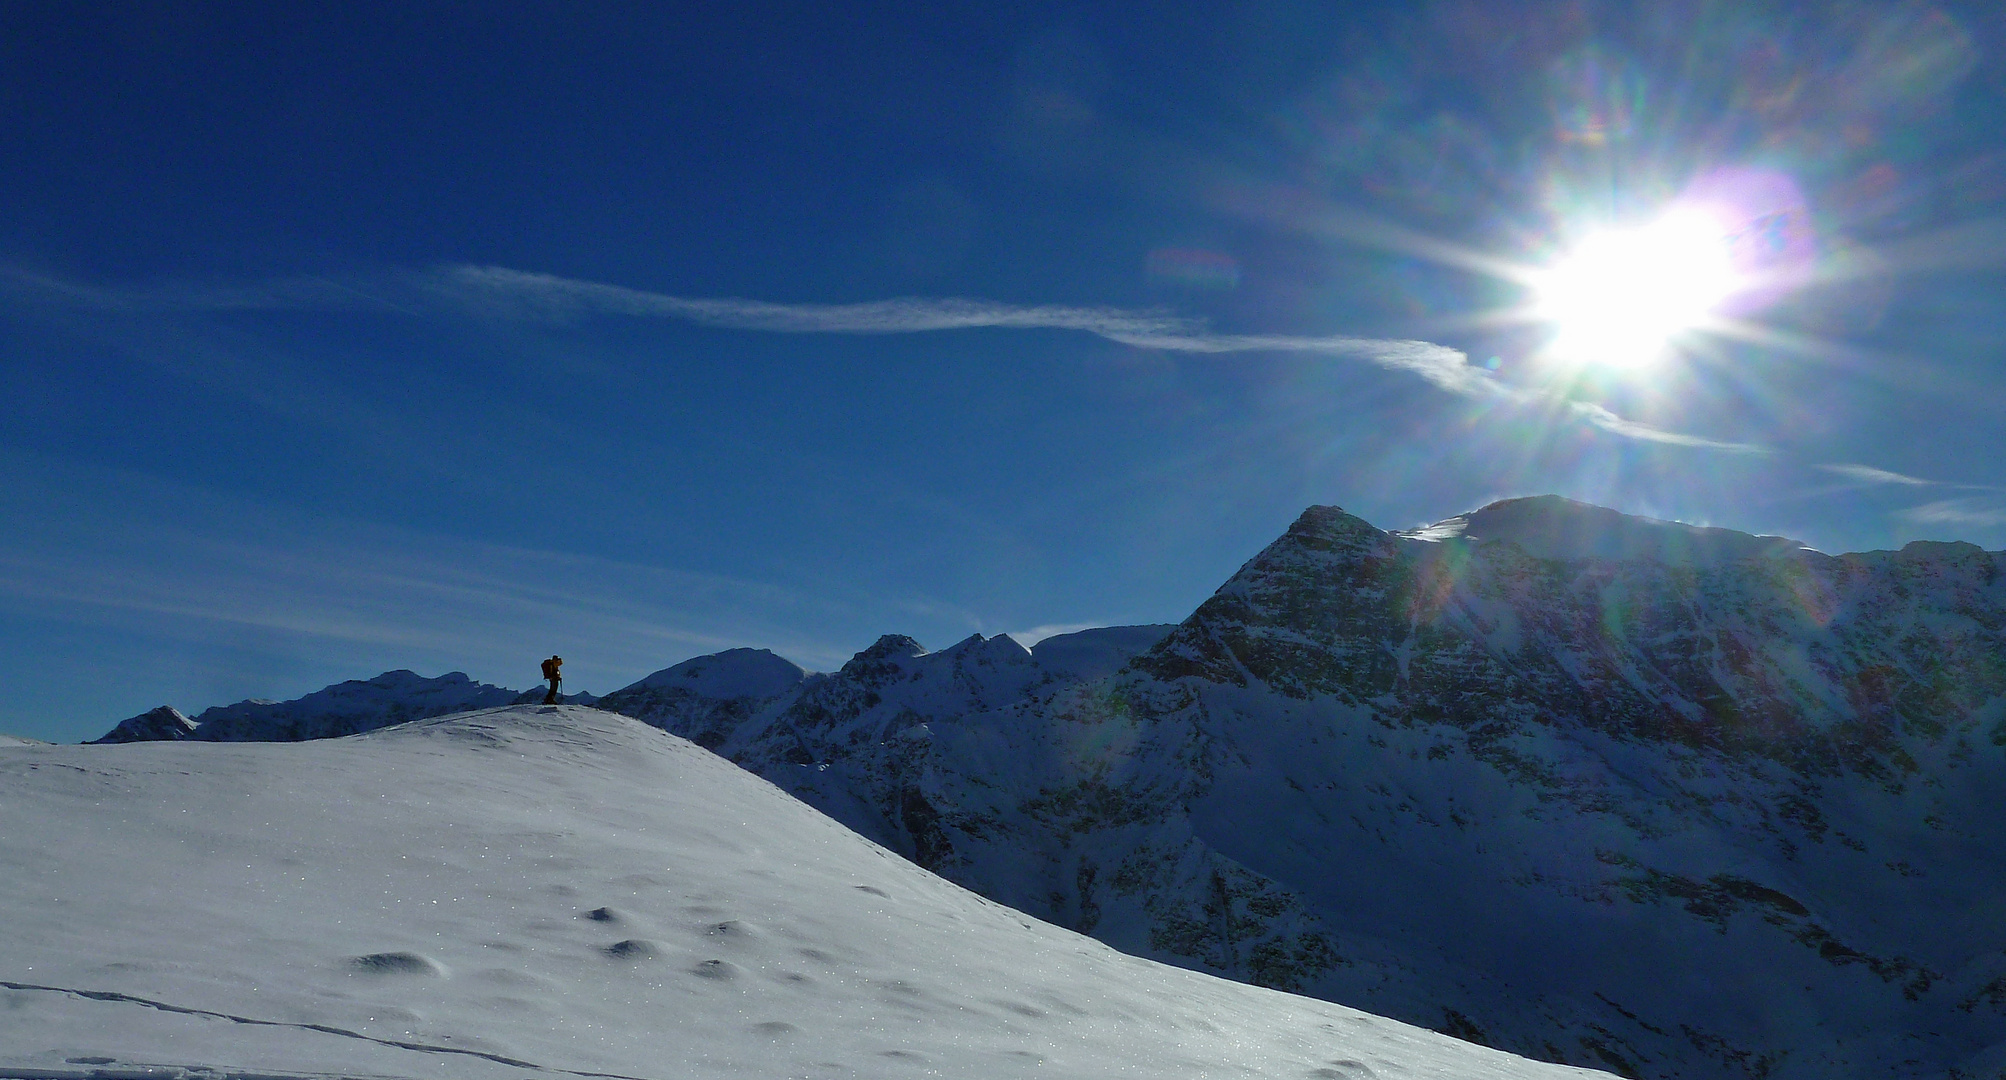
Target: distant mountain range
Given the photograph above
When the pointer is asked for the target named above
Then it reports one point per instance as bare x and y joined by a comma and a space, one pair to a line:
1665, 800
346, 708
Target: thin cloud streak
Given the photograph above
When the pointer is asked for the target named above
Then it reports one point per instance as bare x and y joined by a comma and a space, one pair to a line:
1610, 422
502, 292
206, 565
283, 294
1977, 510
1870, 475
551, 296
516, 293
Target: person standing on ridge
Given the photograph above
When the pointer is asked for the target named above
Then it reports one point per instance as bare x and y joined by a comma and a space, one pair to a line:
551, 671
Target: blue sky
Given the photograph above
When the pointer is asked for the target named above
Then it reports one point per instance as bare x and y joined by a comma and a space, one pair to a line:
446, 336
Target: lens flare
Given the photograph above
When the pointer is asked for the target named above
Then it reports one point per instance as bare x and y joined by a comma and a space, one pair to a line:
1622, 296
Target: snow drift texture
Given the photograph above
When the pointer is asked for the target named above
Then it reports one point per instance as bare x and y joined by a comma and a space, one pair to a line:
558, 892
1670, 801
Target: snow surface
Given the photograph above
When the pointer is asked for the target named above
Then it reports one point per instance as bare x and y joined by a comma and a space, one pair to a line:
1550, 527
555, 891
1097, 653
733, 673
20, 740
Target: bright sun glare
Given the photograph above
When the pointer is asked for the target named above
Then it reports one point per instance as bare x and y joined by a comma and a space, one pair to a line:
1622, 296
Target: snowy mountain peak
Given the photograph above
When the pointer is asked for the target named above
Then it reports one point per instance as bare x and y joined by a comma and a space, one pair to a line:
1331, 523
884, 658
164, 723
1551, 527
999, 649
1097, 653
892, 645
734, 673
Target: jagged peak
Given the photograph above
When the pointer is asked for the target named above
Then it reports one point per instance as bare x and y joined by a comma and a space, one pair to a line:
893, 645
164, 723
1330, 523
1002, 646
883, 656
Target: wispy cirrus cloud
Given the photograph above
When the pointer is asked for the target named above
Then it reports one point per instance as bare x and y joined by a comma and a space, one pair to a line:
271, 294
522, 294
1867, 474
1979, 510
550, 296
502, 292
1608, 421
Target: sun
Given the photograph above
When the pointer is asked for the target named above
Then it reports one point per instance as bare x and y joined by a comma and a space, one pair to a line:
1622, 297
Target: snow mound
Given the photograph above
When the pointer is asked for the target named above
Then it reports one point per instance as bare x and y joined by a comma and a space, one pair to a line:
734, 673
1097, 653
1550, 527
556, 891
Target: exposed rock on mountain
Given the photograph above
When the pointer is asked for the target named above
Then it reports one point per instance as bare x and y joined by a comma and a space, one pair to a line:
155, 725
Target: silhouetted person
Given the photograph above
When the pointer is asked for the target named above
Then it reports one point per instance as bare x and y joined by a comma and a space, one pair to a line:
551, 671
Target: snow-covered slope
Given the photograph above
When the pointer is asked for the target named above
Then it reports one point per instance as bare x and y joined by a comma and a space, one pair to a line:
1550, 527
562, 892
1096, 653
1673, 801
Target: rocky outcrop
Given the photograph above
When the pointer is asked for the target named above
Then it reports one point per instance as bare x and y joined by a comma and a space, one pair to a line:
154, 725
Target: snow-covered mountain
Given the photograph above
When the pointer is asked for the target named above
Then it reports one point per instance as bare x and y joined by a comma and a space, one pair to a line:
561, 892
1672, 801
345, 708
1668, 800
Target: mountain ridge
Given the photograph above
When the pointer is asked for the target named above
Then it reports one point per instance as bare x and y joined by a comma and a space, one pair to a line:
1616, 804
